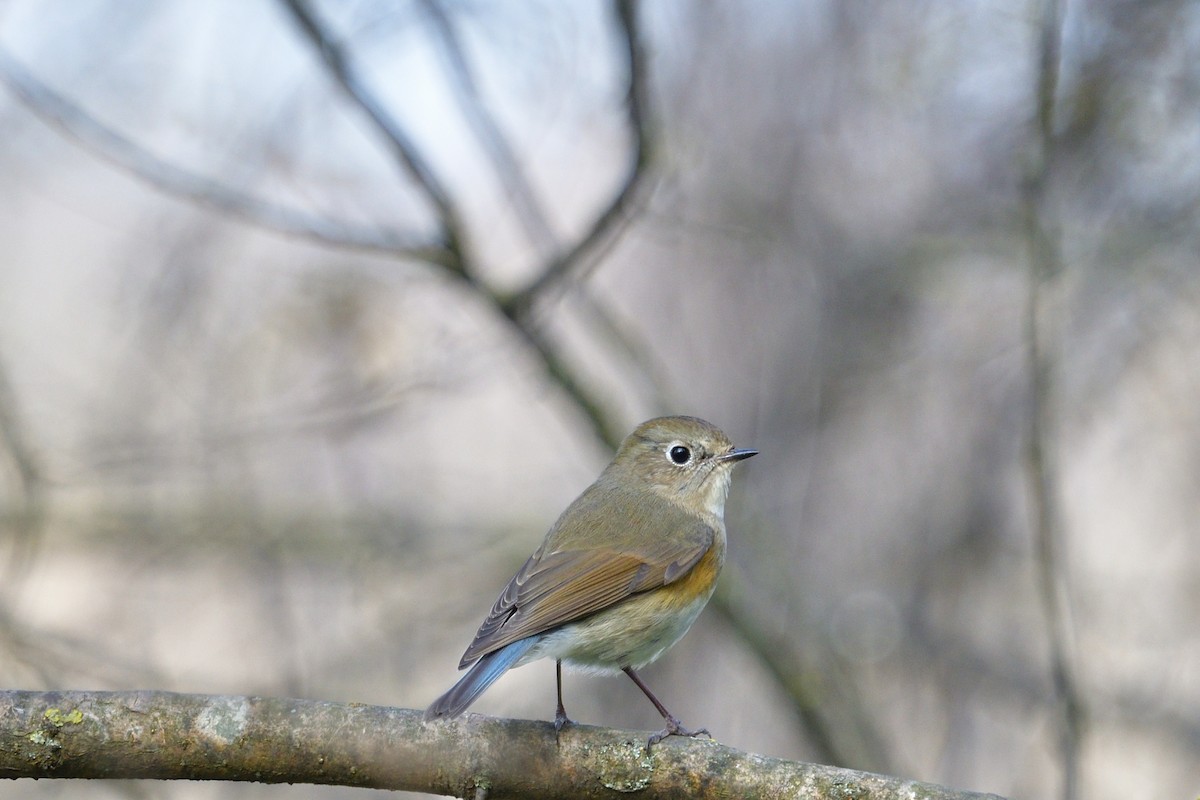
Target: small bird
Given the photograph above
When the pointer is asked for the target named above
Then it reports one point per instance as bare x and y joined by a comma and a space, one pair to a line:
621, 575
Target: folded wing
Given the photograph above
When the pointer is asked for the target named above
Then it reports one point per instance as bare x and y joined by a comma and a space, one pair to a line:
566, 580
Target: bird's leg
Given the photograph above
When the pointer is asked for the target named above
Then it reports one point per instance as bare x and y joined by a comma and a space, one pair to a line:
560, 713
674, 727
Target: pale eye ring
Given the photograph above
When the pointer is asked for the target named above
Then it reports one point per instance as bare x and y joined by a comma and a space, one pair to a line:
679, 454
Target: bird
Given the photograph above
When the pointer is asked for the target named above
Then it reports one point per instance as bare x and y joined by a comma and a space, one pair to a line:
621, 575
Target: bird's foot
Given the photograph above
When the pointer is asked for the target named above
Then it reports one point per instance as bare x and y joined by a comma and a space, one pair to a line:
674, 728
561, 720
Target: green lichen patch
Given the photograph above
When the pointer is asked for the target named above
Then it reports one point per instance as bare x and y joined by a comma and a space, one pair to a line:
57, 718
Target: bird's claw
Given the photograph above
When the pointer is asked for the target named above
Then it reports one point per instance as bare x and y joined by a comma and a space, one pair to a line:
561, 720
674, 728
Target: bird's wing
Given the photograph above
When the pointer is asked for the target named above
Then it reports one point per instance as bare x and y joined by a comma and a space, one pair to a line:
558, 585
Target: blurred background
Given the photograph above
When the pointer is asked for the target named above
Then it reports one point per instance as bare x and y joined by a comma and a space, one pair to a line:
314, 315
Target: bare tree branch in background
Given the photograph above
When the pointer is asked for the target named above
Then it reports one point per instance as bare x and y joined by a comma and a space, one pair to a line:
27, 511
339, 65
12, 439
610, 329
475, 110
515, 307
1043, 340
162, 735
24, 520
105, 142
811, 696
450, 252
608, 222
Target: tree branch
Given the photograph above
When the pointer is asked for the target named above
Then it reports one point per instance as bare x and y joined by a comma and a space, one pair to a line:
167, 736
402, 146
816, 702
616, 212
28, 510
480, 118
105, 142
1043, 333
605, 428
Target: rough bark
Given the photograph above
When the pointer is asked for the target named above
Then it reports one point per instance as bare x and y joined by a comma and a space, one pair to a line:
168, 736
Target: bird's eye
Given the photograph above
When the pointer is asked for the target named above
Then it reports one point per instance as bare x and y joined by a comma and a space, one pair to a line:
679, 454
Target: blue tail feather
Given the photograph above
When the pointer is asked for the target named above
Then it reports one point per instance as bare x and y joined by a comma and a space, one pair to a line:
483, 674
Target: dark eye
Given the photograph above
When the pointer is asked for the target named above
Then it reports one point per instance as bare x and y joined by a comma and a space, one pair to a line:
680, 454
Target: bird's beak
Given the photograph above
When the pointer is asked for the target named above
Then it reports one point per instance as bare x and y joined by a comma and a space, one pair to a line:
737, 455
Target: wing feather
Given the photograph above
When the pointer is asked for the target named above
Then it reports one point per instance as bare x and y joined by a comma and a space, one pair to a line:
565, 579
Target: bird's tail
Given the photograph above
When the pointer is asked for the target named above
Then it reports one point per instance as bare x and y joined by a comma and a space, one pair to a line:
482, 675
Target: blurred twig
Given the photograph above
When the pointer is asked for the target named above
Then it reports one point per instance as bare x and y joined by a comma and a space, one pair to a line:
56, 658
479, 117
815, 688
28, 514
105, 142
608, 327
12, 438
338, 62
1043, 339
609, 220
